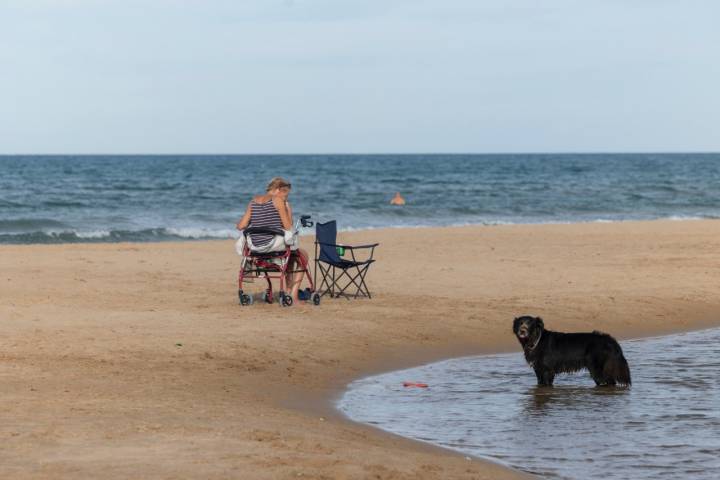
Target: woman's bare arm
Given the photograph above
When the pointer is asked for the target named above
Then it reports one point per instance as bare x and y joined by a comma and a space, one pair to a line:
285, 216
289, 210
245, 220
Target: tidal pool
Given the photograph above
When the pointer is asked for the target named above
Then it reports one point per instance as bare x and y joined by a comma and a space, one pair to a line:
667, 425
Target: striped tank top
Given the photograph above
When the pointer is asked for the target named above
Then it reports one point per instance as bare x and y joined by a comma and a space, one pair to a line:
264, 215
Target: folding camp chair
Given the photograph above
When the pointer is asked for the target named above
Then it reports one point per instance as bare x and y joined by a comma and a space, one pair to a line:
336, 270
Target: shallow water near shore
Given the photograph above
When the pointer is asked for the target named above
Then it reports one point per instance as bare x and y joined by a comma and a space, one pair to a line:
667, 425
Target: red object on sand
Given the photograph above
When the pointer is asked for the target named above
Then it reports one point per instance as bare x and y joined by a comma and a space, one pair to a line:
415, 384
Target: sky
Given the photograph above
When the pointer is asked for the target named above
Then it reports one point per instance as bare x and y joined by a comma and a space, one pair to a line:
359, 76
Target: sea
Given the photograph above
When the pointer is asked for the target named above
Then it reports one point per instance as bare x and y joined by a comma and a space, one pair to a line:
665, 426
141, 198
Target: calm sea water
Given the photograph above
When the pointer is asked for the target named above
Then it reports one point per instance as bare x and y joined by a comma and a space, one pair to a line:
666, 426
46, 199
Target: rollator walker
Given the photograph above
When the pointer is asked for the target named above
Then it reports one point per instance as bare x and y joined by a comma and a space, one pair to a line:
275, 265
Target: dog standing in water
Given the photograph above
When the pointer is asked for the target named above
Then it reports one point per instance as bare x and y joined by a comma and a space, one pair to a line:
550, 353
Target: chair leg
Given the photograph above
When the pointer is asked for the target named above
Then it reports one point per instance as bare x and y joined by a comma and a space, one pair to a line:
331, 282
362, 280
360, 284
332, 288
325, 286
316, 261
347, 285
328, 281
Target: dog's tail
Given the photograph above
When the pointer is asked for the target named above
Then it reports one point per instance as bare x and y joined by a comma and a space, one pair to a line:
616, 367
619, 369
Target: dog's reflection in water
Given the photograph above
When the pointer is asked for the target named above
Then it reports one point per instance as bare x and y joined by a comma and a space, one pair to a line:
541, 399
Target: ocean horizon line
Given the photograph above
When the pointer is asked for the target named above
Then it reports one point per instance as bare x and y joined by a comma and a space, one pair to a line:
371, 154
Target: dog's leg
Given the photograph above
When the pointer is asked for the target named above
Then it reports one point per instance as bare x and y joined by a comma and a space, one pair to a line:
544, 377
596, 371
539, 376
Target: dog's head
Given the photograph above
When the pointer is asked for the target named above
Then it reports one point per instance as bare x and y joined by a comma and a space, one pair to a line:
528, 328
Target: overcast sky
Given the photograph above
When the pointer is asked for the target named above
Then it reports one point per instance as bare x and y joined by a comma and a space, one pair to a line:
359, 76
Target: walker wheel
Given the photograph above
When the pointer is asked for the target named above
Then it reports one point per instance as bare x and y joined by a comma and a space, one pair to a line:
241, 297
316, 299
287, 301
267, 296
249, 300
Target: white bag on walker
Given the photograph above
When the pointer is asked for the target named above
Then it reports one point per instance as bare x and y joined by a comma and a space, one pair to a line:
278, 244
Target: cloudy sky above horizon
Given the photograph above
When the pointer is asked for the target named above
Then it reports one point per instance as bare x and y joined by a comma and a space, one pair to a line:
358, 76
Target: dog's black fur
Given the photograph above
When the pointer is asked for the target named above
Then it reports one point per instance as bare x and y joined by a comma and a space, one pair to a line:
550, 353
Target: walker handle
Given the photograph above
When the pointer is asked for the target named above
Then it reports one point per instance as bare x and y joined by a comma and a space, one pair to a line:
305, 221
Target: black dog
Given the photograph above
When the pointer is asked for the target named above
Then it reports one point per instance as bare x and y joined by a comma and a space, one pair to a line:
555, 352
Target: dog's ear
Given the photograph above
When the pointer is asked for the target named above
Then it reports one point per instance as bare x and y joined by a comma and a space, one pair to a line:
539, 322
516, 325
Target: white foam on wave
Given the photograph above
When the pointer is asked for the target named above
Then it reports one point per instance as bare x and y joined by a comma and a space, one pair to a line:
199, 232
490, 223
91, 234
206, 233
682, 218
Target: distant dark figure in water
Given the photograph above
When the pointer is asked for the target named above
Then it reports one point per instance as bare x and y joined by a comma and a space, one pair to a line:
549, 353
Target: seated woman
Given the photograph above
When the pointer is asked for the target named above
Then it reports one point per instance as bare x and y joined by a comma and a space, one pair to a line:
272, 210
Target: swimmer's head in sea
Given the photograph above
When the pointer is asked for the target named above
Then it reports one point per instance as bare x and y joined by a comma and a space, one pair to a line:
397, 199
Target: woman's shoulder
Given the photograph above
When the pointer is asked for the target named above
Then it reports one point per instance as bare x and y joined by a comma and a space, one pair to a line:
261, 198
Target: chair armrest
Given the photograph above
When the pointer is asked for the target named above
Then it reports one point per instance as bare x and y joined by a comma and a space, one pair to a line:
330, 244
351, 247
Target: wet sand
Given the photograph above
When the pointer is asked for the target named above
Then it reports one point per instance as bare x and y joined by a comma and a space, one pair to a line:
135, 361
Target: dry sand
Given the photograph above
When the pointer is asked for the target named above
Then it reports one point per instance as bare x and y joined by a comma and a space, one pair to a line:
135, 361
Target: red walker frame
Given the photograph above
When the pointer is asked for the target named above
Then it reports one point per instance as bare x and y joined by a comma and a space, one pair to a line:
272, 265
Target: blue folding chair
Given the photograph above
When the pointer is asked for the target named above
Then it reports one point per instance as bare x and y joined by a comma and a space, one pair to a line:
339, 274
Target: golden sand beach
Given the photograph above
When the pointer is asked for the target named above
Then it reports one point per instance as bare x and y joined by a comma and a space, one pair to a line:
135, 360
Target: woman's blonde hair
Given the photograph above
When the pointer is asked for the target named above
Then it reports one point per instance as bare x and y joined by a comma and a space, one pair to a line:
277, 182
